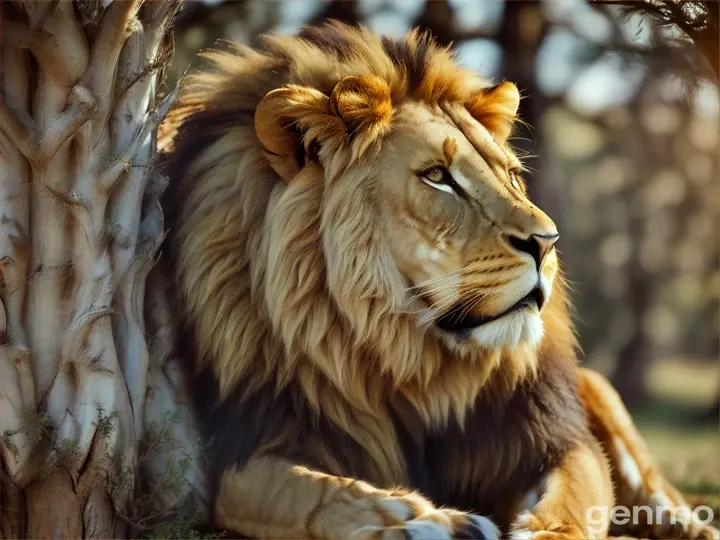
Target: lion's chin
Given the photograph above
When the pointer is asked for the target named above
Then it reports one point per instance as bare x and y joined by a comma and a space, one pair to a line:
521, 327
457, 319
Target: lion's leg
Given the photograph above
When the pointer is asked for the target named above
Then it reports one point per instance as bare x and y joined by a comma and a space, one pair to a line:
577, 498
639, 485
272, 498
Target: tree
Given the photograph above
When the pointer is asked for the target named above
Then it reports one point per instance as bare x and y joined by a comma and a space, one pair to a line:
85, 337
698, 24
90, 384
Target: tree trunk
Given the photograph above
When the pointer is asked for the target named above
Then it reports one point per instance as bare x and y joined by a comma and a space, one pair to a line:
85, 354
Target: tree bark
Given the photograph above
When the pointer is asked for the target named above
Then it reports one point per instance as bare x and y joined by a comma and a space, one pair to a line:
84, 370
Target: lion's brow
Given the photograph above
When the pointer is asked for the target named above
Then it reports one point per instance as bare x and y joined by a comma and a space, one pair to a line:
449, 147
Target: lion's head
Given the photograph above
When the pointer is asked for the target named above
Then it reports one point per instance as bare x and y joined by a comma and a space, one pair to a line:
351, 215
466, 246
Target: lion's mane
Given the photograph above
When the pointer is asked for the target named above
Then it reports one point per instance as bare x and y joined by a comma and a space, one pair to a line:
293, 309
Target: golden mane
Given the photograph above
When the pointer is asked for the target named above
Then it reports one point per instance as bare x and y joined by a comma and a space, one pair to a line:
286, 283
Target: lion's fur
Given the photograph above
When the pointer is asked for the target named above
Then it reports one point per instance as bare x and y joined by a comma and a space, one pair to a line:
295, 321
275, 301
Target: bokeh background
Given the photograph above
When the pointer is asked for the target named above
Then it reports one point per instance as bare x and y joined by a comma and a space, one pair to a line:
624, 149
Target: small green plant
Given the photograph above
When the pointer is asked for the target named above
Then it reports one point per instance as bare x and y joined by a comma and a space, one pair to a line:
147, 515
34, 426
67, 455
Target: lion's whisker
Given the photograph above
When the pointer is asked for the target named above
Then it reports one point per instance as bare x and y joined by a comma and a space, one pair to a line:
469, 303
449, 301
438, 289
438, 278
473, 302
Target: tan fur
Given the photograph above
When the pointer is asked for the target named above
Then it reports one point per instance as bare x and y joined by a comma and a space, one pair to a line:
450, 146
307, 504
307, 244
341, 331
581, 482
278, 242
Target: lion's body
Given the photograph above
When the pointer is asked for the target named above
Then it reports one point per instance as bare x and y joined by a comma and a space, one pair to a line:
301, 353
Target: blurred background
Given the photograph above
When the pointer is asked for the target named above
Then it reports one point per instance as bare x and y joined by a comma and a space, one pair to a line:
624, 152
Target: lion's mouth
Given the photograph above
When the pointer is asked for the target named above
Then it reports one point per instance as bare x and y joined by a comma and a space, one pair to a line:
454, 320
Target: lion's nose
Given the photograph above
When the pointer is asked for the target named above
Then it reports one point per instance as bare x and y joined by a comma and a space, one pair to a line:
537, 245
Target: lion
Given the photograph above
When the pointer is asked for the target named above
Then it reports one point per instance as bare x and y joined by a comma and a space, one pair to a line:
375, 310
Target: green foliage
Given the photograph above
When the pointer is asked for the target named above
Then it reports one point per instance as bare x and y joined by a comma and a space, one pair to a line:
34, 425
67, 455
147, 515
105, 426
180, 527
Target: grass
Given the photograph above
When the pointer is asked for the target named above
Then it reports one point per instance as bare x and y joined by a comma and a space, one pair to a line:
686, 449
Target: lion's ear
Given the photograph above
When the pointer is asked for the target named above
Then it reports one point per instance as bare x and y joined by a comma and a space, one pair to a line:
496, 108
365, 106
288, 120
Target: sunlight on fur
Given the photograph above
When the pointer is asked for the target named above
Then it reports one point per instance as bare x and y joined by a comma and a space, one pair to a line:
371, 298
329, 200
510, 331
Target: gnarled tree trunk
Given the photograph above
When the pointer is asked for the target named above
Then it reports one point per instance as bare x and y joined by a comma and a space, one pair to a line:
87, 384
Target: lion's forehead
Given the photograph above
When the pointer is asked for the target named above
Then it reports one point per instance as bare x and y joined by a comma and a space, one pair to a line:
425, 134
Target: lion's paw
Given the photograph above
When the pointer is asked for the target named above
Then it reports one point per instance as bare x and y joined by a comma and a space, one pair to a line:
679, 523
442, 524
672, 522
529, 527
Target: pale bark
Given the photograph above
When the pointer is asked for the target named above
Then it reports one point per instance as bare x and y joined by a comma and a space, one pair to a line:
82, 372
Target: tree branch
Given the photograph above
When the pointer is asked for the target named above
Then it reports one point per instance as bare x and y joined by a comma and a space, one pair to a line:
23, 132
17, 383
149, 125
20, 128
700, 29
81, 107
55, 39
115, 29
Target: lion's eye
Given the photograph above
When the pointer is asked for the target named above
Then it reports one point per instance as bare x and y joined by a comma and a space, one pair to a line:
436, 174
514, 181
439, 178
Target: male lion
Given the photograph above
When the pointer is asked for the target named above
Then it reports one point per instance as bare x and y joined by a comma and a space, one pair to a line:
377, 318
